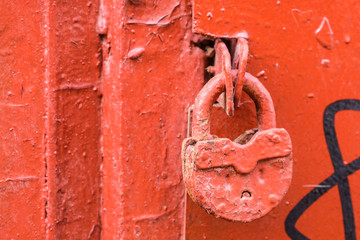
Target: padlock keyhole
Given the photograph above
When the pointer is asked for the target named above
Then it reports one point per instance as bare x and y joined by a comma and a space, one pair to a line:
246, 193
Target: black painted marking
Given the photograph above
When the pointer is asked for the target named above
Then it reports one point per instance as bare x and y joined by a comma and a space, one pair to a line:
339, 177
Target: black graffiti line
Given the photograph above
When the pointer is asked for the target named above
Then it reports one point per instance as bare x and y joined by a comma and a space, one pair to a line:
313, 196
339, 177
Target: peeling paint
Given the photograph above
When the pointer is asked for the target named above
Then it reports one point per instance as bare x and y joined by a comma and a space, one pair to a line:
143, 194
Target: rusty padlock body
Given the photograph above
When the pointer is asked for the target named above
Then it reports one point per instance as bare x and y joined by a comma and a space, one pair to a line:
238, 182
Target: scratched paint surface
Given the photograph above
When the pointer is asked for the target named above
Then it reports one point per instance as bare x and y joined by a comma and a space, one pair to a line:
73, 166
151, 74
306, 54
50, 129
22, 105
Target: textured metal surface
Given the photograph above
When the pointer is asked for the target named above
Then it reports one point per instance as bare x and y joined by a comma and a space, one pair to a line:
50, 120
73, 119
234, 74
222, 152
146, 94
22, 104
222, 64
239, 182
306, 54
211, 91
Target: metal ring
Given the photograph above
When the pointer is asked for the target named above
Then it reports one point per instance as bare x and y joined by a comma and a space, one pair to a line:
211, 91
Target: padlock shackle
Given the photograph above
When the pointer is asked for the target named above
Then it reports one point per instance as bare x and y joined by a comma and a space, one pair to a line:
263, 102
211, 91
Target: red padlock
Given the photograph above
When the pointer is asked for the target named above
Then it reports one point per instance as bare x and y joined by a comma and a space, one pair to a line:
241, 180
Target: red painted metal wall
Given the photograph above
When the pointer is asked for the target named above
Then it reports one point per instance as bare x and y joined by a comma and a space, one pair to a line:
74, 159
22, 165
50, 124
307, 54
145, 100
94, 100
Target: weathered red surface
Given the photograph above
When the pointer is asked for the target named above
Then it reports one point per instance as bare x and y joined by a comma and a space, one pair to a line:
50, 124
218, 172
271, 143
306, 54
151, 75
22, 108
230, 66
222, 64
73, 120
